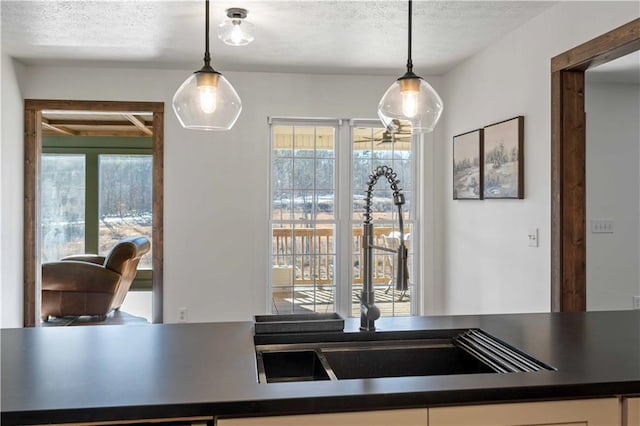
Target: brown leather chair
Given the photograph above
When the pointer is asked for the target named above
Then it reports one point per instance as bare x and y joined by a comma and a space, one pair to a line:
90, 284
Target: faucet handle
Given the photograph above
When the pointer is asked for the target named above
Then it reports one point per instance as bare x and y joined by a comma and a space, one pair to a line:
372, 312
402, 281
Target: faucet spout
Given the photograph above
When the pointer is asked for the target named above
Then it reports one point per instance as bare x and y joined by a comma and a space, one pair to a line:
369, 312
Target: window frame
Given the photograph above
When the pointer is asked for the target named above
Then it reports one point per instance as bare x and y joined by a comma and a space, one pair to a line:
343, 208
105, 146
414, 217
308, 122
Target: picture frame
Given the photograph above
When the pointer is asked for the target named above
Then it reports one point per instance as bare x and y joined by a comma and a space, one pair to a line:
503, 165
468, 165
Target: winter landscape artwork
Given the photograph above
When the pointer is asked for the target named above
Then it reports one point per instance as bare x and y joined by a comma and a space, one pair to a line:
503, 159
467, 166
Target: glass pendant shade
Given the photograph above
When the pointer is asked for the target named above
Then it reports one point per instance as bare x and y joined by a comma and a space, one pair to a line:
410, 98
236, 32
207, 101
414, 100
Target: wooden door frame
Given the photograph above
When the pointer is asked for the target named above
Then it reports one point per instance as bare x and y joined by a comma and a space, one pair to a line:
32, 152
568, 156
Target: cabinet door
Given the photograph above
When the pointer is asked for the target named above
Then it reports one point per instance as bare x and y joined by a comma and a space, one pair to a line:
410, 417
631, 412
588, 412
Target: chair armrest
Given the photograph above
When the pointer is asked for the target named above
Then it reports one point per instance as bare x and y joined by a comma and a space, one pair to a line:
91, 258
78, 276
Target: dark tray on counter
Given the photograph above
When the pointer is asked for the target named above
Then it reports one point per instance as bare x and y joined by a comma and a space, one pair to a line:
298, 323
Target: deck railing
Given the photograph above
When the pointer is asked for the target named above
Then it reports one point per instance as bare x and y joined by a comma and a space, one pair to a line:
306, 256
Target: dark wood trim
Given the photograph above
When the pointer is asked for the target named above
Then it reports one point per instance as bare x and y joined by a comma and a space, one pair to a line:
32, 151
574, 256
56, 104
607, 47
556, 192
158, 216
568, 182
31, 252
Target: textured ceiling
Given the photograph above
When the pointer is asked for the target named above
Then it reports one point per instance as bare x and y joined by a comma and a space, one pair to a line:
364, 37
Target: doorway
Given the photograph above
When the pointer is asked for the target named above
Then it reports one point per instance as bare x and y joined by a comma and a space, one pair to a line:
568, 161
87, 118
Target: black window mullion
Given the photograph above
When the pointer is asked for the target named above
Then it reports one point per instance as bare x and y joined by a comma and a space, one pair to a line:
92, 204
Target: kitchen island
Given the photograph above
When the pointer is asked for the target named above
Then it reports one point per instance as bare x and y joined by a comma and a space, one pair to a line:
206, 371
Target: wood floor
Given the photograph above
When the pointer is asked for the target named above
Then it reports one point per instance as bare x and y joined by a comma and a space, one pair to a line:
307, 299
114, 318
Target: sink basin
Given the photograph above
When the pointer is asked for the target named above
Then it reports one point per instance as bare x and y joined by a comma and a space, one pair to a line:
391, 355
292, 366
402, 360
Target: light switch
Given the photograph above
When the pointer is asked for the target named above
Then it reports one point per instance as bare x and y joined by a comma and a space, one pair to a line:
602, 226
533, 237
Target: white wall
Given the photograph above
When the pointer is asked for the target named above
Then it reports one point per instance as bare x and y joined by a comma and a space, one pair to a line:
613, 178
215, 259
11, 195
488, 266
216, 190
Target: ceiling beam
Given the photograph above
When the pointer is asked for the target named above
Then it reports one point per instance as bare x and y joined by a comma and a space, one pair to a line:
79, 122
62, 130
139, 123
134, 133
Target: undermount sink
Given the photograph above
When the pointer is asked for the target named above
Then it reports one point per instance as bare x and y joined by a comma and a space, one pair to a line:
404, 359
439, 352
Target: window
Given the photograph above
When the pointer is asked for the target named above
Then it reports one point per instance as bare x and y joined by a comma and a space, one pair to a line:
96, 191
316, 214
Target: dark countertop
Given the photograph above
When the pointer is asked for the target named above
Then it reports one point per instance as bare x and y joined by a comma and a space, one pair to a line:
128, 372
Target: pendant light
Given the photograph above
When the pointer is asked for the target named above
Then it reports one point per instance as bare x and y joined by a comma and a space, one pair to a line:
206, 100
411, 98
236, 31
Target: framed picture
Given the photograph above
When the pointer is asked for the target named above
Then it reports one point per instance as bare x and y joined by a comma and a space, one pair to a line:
467, 166
504, 159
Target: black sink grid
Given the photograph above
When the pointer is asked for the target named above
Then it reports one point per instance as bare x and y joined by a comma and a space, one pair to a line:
464, 352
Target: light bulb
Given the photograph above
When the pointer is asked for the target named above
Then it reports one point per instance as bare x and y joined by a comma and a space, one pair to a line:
236, 33
409, 91
409, 103
208, 98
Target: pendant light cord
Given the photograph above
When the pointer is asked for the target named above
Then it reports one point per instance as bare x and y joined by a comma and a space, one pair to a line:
409, 61
207, 56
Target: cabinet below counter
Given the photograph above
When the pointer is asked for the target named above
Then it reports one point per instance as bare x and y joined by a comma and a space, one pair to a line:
592, 412
206, 373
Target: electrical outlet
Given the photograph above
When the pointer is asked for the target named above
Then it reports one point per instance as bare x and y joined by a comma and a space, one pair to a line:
636, 302
183, 315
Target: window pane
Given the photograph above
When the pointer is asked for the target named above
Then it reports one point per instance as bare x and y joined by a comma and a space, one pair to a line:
281, 205
303, 174
325, 202
282, 174
302, 218
125, 200
361, 169
303, 206
303, 268
390, 301
324, 174
304, 141
373, 147
282, 141
63, 205
325, 142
